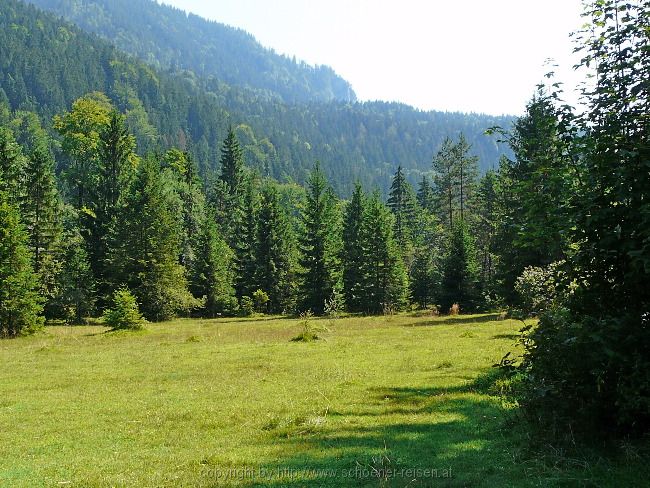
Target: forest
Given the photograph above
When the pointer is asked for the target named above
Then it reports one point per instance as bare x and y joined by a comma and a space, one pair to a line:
101, 222
50, 63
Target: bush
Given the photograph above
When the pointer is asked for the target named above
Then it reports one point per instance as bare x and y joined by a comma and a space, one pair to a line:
309, 329
455, 309
246, 308
125, 313
260, 300
537, 289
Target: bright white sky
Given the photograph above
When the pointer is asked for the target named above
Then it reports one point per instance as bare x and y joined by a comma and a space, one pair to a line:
463, 55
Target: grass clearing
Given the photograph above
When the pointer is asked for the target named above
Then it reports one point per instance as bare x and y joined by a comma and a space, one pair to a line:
234, 402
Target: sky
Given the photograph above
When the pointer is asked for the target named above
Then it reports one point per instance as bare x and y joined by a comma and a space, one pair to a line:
463, 55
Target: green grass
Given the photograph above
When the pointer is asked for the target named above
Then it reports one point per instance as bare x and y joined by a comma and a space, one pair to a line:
235, 402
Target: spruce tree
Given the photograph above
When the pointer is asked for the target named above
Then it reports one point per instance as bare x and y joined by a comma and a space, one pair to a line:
319, 244
460, 280
402, 203
148, 238
385, 281
212, 274
75, 296
352, 251
41, 214
232, 163
12, 167
425, 196
246, 259
274, 252
20, 303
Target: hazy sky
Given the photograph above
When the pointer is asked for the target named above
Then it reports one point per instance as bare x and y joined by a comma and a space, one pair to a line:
469, 55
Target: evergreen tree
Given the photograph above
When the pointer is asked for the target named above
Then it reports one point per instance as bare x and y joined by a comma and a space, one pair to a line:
232, 163
274, 252
148, 235
12, 167
212, 274
40, 211
352, 251
401, 203
460, 278
426, 271
425, 196
20, 304
535, 194
487, 215
75, 295
455, 179
246, 259
319, 244
385, 281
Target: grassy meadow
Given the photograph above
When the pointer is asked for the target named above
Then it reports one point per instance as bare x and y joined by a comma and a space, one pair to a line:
380, 401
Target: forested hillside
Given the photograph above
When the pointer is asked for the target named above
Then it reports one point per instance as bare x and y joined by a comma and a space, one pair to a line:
47, 63
167, 37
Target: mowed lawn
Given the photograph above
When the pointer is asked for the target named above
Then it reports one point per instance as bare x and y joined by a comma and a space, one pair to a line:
234, 402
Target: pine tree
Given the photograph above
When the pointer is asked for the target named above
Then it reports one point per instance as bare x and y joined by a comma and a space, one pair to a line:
455, 179
401, 203
425, 196
148, 234
319, 244
20, 303
12, 167
246, 259
426, 270
232, 163
460, 278
385, 279
274, 252
41, 213
212, 274
352, 251
75, 294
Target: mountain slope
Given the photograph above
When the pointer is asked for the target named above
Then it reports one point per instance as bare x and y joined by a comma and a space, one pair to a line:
46, 63
166, 37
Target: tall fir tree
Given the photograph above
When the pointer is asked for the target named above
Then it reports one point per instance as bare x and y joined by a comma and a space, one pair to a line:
246, 259
41, 213
320, 244
20, 304
12, 167
148, 234
212, 276
535, 194
401, 202
385, 280
460, 279
352, 251
275, 267
425, 196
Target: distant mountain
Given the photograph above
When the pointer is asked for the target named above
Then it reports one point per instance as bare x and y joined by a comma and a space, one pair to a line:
46, 63
167, 37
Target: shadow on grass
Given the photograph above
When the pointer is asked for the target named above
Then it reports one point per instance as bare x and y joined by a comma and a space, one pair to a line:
449, 437
458, 319
513, 337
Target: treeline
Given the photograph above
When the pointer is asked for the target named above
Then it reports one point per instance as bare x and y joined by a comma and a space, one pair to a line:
47, 64
182, 245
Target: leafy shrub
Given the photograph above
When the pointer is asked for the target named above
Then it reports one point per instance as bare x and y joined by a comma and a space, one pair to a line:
260, 301
334, 305
125, 313
455, 309
246, 308
537, 289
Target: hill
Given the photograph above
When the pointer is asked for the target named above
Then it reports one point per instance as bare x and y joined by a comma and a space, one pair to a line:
47, 63
167, 37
